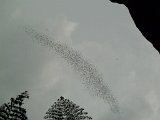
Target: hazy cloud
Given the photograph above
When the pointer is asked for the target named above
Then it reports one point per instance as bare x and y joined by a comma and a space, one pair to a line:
105, 34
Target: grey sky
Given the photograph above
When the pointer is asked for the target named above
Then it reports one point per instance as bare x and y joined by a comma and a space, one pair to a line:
103, 32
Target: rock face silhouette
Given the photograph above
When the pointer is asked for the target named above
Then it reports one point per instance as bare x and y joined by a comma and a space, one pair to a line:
146, 15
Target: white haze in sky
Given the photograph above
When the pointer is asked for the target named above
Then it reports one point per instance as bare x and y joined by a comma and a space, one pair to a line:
106, 36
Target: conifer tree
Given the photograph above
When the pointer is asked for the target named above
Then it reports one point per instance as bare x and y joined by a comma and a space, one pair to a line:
64, 109
13, 110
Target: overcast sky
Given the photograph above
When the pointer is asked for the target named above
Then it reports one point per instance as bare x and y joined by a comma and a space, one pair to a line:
103, 33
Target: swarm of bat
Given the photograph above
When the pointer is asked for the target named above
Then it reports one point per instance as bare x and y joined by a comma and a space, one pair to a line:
92, 79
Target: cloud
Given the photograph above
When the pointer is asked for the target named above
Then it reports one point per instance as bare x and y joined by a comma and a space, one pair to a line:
64, 29
106, 35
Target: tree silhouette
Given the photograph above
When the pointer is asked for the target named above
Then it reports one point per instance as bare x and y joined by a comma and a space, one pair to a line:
13, 110
64, 109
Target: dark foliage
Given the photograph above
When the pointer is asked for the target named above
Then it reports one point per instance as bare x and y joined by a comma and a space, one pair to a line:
146, 15
13, 110
65, 109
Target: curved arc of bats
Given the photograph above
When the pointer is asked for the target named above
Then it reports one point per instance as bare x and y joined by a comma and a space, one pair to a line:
92, 79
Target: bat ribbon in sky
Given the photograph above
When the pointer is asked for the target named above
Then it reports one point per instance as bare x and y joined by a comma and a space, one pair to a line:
92, 79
